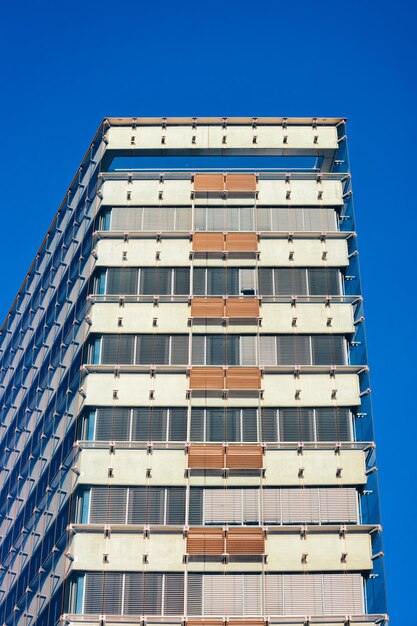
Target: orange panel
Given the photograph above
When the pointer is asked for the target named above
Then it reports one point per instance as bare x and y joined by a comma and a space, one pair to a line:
244, 457
241, 182
243, 378
242, 242
207, 378
207, 307
205, 541
208, 242
208, 182
205, 457
245, 541
242, 307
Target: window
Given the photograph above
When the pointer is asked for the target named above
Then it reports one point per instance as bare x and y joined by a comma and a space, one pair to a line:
296, 219
302, 350
299, 281
224, 350
219, 281
134, 424
147, 281
303, 424
134, 593
229, 424
150, 218
224, 218
272, 506
144, 349
270, 424
136, 505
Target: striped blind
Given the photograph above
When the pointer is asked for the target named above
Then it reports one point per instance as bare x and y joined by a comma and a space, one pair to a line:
137, 505
151, 218
242, 506
117, 349
299, 281
296, 219
284, 424
122, 280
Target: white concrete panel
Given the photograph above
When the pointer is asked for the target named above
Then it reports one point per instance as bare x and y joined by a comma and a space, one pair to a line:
310, 318
302, 192
304, 252
314, 390
321, 467
165, 552
131, 467
167, 467
125, 551
268, 136
143, 192
324, 552
239, 136
138, 317
131, 389
142, 252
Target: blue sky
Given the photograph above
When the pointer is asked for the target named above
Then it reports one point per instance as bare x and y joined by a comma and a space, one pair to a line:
68, 65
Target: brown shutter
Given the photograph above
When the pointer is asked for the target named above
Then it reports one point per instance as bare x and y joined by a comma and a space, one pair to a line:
241, 182
208, 242
207, 307
205, 541
245, 541
208, 182
207, 378
241, 378
206, 457
242, 307
244, 457
242, 242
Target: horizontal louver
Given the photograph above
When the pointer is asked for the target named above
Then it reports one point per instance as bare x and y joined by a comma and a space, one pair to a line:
299, 281
244, 457
150, 218
243, 378
310, 505
205, 457
285, 595
223, 424
207, 378
295, 219
208, 242
137, 505
245, 541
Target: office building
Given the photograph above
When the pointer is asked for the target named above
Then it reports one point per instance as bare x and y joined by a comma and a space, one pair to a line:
186, 428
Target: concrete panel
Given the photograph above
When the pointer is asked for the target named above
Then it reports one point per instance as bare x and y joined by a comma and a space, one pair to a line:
314, 390
268, 136
133, 389
147, 191
131, 467
305, 253
125, 551
324, 552
320, 467
165, 552
311, 318
302, 192
138, 317
142, 252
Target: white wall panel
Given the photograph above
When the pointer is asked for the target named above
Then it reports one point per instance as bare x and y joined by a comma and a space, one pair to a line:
138, 317
321, 467
315, 390
303, 252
